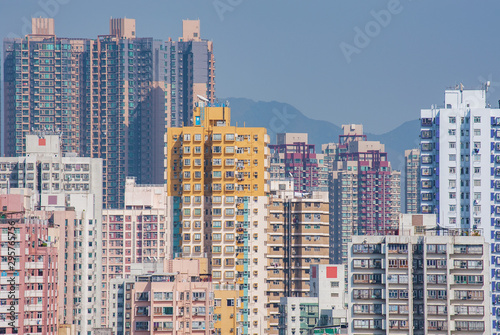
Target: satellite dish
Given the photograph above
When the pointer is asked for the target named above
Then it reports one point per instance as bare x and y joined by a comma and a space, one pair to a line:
202, 98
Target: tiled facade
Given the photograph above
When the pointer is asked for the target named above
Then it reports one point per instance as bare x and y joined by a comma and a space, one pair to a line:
323, 309
178, 302
68, 190
112, 97
139, 233
412, 181
292, 157
460, 172
298, 235
29, 295
364, 191
418, 285
217, 182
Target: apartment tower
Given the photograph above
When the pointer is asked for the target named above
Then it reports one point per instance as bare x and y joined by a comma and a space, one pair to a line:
298, 235
292, 157
217, 198
460, 171
110, 97
364, 191
425, 284
412, 181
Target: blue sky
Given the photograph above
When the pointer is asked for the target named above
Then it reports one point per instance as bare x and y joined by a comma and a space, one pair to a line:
292, 51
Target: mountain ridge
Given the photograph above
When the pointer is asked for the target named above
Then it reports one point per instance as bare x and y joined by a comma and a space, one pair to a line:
279, 117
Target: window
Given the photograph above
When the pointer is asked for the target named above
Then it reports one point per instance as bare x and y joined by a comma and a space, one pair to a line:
451, 131
477, 119
477, 182
452, 157
452, 119
453, 145
477, 132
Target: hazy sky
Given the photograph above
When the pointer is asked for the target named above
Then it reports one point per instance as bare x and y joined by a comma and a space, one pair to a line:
331, 59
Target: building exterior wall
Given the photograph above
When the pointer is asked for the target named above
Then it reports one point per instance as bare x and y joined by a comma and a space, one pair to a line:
460, 171
171, 303
364, 191
69, 190
111, 97
293, 157
412, 181
298, 236
418, 285
137, 234
217, 182
324, 309
29, 270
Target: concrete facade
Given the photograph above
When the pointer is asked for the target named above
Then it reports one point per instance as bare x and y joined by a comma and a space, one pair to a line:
418, 285
460, 171
298, 235
364, 191
217, 184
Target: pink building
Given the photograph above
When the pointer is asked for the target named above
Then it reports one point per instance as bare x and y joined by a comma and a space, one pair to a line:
28, 296
137, 234
178, 302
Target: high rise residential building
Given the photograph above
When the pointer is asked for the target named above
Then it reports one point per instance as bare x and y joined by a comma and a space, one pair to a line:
139, 233
111, 97
412, 181
324, 309
217, 184
460, 171
44, 87
364, 191
297, 237
29, 298
180, 301
68, 189
419, 284
292, 157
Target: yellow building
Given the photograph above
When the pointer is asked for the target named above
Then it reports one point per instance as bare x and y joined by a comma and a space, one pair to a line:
217, 192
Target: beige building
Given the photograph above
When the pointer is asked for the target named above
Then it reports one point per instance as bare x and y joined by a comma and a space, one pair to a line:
419, 284
298, 235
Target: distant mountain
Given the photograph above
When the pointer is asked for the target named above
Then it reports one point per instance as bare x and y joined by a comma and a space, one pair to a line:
280, 117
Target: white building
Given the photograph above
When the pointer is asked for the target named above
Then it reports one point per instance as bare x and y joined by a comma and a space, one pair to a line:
460, 171
71, 188
324, 308
424, 284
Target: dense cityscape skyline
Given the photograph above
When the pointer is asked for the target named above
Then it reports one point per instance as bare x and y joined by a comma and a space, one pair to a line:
132, 201
405, 52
